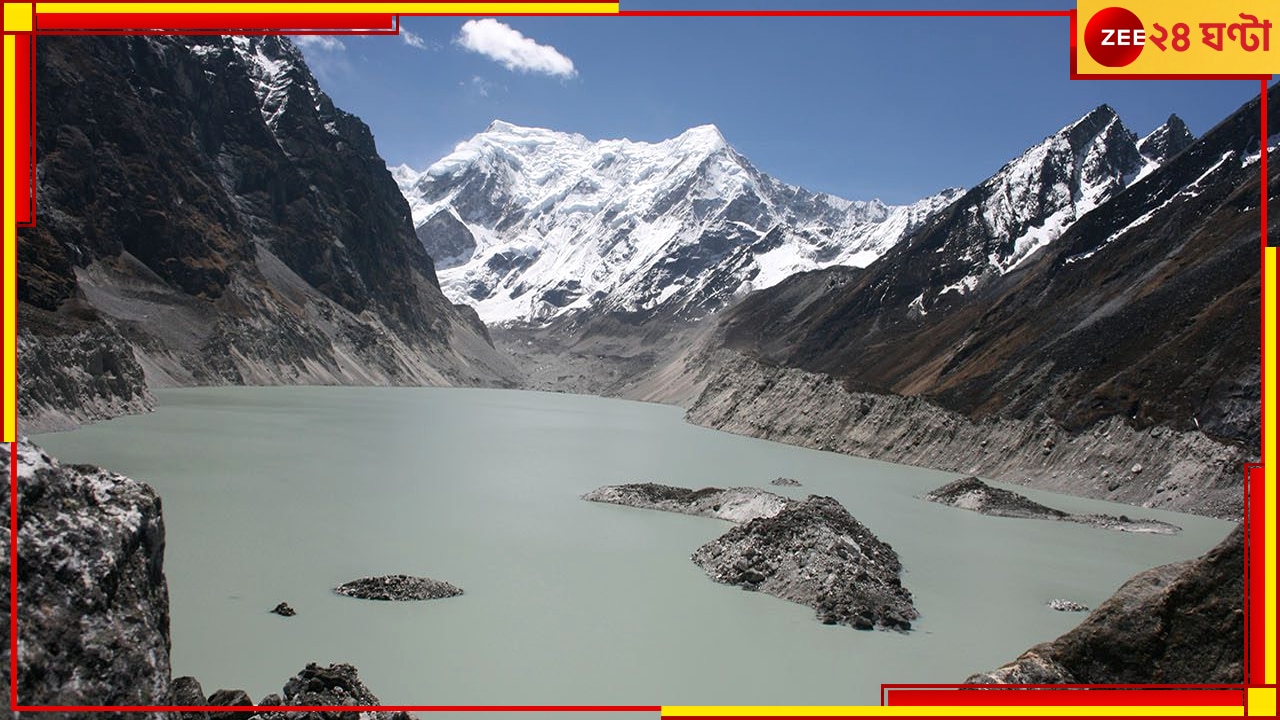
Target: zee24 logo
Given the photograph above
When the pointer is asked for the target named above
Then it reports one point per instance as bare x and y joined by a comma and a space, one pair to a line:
1115, 37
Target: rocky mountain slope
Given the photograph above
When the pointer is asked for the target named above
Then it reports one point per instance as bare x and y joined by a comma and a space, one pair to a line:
1179, 623
208, 216
1121, 360
532, 225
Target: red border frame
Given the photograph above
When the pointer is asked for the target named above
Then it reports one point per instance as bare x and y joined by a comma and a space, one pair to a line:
342, 24
1126, 695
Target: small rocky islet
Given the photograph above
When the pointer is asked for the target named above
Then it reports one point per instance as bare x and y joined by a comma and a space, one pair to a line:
284, 610
398, 588
970, 493
811, 551
738, 504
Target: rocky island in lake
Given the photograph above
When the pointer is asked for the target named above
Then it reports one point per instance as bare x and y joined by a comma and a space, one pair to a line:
735, 504
815, 553
970, 493
400, 588
811, 551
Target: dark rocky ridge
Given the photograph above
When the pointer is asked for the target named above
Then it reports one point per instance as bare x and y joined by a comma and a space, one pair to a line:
447, 239
1179, 623
207, 216
398, 588
972, 494
1167, 141
1156, 326
815, 553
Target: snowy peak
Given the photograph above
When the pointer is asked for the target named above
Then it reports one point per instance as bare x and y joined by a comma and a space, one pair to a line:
404, 176
500, 126
1033, 199
531, 224
1095, 119
1167, 140
1025, 206
703, 138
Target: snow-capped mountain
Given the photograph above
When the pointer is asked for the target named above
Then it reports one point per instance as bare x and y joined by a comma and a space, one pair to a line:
1035, 198
1141, 318
530, 225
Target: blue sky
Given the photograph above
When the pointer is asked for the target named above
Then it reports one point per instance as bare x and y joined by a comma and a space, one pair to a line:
895, 108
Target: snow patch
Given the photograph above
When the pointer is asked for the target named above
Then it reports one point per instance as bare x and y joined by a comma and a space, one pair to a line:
1273, 144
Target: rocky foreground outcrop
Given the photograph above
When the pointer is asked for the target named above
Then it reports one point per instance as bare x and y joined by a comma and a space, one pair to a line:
93, 623
1178, 623
972, 494
93, 604
334, 685
815, 553
811, 551
398, 587
738, 504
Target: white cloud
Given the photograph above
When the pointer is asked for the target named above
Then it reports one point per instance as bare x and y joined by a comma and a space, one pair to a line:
479, 86
506, 45
327, 43
413, 40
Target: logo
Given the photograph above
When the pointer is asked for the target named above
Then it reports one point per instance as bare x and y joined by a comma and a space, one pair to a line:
1114, 37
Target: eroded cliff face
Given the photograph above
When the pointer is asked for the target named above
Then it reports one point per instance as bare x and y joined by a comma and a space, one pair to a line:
73, 370
207, 216
93, 605
1179, 623
1153, 467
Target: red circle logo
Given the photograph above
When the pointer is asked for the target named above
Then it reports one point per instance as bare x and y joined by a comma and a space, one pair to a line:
1114, 37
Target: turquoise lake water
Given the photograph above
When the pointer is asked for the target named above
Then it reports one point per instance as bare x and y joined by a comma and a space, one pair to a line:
280, 494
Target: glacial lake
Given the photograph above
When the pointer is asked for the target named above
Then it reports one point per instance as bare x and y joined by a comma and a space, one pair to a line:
280, 494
